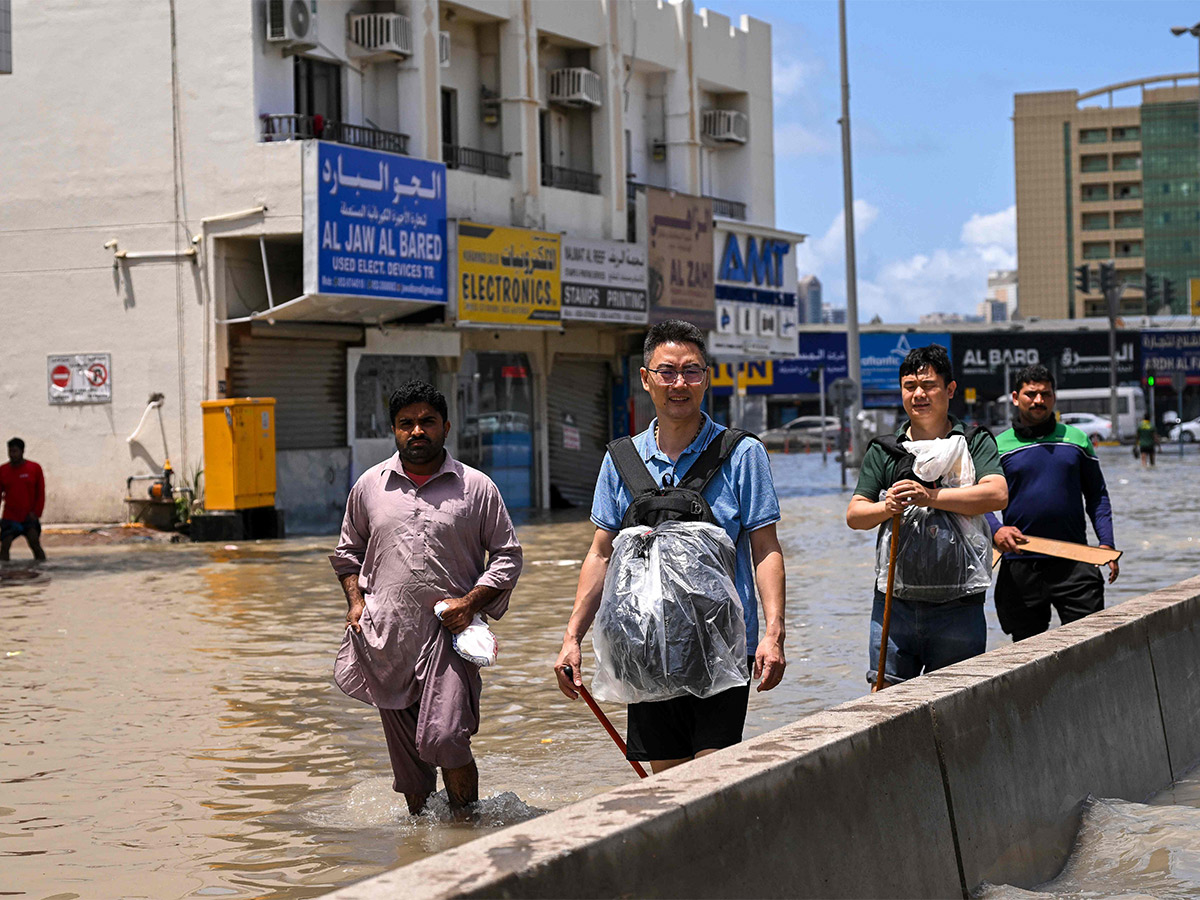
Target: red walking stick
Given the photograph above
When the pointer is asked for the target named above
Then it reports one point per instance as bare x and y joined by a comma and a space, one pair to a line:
612, 732
880, 684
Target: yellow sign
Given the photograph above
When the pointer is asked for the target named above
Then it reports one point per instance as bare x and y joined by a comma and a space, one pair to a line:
969, 395
1194, 295
761, 372
508, 276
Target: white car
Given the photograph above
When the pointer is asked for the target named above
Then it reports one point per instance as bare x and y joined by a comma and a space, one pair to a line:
1185, 431
801, 432
1097, 428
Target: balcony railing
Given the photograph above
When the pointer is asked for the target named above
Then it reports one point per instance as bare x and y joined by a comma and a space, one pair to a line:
471, 160
570, 179
729, 209
292, 127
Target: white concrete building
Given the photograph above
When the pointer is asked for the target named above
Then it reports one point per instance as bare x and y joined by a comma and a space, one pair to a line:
159, 218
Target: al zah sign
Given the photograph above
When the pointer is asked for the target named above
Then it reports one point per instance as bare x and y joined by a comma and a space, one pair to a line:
79, 378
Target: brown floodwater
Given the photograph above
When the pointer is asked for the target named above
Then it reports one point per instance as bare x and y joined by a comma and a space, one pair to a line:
169, 726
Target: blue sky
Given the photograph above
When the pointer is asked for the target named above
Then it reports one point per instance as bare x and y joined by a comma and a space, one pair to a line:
931, 97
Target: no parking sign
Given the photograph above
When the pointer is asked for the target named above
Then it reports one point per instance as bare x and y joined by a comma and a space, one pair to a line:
79, 378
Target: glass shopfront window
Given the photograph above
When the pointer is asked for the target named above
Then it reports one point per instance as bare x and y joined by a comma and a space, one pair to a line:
496, 411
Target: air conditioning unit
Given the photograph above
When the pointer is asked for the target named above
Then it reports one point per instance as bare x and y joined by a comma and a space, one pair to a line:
379, 34
575, 87
444, 49
292, 23
726, 126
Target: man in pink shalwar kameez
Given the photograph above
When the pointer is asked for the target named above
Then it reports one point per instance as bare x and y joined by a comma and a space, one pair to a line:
421, 528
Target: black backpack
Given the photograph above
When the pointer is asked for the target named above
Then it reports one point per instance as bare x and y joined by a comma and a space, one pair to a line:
685, 501
893, 446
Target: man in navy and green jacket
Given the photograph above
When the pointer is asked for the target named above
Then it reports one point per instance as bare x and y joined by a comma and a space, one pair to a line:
1053, 477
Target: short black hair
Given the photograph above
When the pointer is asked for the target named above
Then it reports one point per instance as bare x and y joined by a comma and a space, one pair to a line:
1034, 374
18, 443
417, 392
673, 331
931, 356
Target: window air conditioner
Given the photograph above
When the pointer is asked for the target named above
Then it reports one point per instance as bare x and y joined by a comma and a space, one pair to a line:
292, 23
726, 125
575, 87
380, 34
444, 49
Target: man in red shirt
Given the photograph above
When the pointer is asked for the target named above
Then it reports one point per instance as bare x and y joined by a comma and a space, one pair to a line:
24, 491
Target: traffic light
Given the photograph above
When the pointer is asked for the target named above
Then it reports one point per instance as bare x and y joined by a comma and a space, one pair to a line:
1150, 373
1151, 290
1168, 292
1108, 277
1083, 279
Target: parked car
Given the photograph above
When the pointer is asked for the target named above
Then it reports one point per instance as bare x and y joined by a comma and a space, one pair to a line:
801, 432
1097, 428
1185, 431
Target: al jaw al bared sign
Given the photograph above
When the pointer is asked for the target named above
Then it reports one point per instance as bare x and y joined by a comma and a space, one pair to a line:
679, 248
508, 276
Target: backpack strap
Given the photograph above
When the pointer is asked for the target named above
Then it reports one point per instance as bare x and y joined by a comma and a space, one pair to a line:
890, 444
709, 462
630, 466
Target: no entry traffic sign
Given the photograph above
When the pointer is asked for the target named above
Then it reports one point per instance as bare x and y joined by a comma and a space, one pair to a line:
79, 378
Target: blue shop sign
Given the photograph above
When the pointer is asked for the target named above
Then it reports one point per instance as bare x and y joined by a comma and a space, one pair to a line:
798, 375
881, 355
1171, 353
762, 264
379, 228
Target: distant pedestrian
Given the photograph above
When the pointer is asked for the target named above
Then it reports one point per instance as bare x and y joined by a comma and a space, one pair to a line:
420, 529
1147, 439
944, 560
1053, 477
23, 488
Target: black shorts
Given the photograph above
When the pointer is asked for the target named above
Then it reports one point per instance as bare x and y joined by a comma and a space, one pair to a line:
681, 727
1027, 588
30, 528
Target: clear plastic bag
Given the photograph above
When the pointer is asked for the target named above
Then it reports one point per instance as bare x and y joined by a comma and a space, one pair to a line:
670, 620
941, 555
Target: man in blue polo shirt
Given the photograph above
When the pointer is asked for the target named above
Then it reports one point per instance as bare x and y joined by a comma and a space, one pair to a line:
1053, 477
666, 733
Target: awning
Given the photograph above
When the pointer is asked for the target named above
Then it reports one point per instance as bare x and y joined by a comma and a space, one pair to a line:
335, 309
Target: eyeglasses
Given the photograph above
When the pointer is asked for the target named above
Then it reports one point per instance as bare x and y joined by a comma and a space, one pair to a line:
691, 374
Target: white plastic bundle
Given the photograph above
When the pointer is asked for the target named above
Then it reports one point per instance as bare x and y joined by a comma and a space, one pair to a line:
475, 643
670, 621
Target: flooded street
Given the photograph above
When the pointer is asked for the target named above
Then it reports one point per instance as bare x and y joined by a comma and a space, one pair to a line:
171, 729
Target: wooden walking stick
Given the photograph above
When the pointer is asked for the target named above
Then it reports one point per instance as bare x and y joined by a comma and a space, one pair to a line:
612, 732
880, 684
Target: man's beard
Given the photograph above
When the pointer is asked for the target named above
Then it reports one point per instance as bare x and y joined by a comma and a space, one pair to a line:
422, 453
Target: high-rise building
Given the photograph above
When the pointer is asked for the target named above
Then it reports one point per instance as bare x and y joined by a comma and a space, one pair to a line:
1098, 181
1002, 288
833, 315
810, 304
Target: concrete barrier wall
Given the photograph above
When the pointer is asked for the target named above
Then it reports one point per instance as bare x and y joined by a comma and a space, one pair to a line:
974, 773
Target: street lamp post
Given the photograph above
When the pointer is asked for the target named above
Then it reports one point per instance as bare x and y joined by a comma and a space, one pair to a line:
1194, 31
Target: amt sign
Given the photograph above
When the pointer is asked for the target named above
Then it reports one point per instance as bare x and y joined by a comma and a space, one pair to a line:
762, 262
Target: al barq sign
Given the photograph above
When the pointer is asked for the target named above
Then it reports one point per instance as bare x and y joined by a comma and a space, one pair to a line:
374, 224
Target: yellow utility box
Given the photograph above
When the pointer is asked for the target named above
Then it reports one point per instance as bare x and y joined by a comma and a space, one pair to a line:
239, 453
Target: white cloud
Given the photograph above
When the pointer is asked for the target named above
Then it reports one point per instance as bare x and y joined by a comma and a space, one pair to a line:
940, 280
794, 139
791, 76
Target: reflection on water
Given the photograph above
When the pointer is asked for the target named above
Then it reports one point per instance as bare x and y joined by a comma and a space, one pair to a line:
169, 726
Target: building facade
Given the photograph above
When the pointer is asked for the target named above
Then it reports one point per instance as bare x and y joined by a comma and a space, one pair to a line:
315, 201
1108, 174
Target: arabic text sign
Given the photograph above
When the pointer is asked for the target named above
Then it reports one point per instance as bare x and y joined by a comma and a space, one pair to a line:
1171, 352
679, 246
1077, 359
798, 375
79, 378
508, 276
603, 281
374, 224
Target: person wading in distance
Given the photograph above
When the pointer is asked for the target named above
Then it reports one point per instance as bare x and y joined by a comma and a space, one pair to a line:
741, 497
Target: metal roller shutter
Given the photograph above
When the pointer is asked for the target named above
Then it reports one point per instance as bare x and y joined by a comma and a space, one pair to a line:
578, 399
307, 380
